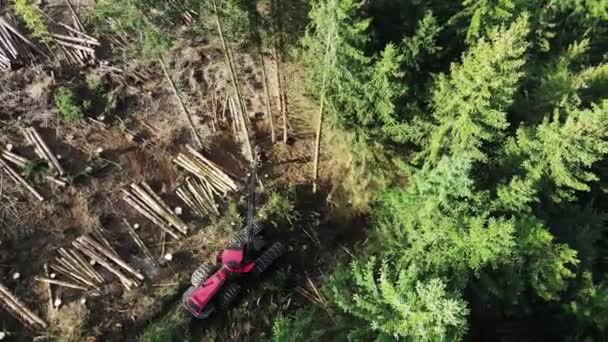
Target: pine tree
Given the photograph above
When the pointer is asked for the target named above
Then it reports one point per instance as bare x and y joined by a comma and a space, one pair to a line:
395, 302
470, 105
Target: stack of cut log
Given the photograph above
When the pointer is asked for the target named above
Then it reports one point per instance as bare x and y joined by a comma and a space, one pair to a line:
100, 252
217, 180
16, 308
140, 244
42, 150
22, 163
76, 46
143, 199
198, 195
73, 265
16, 177
15, 48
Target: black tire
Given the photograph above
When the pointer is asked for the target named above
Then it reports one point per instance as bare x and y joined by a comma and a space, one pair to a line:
201, 274
241, 237
268, 258
227, 296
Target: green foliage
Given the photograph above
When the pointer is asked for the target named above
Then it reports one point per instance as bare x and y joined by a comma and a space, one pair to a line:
280, 209
563, 147
395, 302
68, 105
32, 17
470, 104
547, 262
300, 327
143, 27
171, 328
590, 307
440, 223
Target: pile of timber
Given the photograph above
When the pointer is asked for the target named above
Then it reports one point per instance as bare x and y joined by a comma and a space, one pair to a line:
143, 199
22, 163
198, 195
15, 48
17, 178
73, 265
42, 150
140, 244
75, 45
100, 252
16, 308
217, 180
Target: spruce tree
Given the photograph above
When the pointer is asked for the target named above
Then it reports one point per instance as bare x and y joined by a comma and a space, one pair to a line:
397, 303
470, 105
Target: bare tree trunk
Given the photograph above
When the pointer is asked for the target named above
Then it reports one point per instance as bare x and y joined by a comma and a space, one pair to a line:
320, 122
235, 82
181, 103
281, 93
273, 136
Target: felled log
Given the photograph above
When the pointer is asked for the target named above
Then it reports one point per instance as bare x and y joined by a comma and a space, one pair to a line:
20, 180
60, 283
124, 279
206, 170
87, 240
19, 309
44, 150
198, 197
148, 203
138, 241
148, 213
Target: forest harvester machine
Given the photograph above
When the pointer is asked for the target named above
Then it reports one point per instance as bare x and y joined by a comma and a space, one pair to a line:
216, 286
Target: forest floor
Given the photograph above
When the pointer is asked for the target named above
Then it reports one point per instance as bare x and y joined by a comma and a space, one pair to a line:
138, 141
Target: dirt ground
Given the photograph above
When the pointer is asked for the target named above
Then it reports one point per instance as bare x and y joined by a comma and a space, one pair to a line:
138, 141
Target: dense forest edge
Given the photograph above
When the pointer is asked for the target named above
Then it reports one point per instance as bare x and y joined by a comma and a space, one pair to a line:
461, 146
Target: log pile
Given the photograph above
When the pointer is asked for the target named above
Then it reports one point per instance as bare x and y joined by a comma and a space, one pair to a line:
68, 43
198, 195
73, 265
15, 48
76, 46
17, 178
140, 244
42, 150
23, 162
143, 199
16, 308
100, 252
218, 181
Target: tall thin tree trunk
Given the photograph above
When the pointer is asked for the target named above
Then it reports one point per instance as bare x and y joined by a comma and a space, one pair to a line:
273, 136
181, 103
232, 68
320, 122
282, 94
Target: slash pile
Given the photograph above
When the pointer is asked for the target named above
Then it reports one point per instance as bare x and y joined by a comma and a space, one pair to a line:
143, 199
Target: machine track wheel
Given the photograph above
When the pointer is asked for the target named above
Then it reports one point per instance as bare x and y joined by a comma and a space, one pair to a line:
268, 258
201, 274
241, 237
227, 296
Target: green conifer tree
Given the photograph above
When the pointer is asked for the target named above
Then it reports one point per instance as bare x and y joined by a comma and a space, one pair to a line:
470, 105
397, 303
